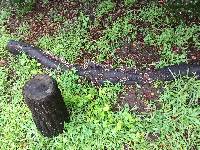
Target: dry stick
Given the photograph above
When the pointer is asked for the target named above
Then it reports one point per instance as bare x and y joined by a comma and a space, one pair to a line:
98, 74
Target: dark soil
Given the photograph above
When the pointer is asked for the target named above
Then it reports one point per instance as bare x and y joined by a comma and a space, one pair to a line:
127, 147
189, 14
42, 19
95, 33
193, 54
152, 136
140, 53
105, 21
139, 98
84, 57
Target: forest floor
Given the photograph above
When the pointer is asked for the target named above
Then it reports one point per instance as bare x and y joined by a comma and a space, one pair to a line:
125, 34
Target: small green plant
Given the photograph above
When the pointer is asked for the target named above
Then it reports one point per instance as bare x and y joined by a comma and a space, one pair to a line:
4, 16
129, 3
154, 14
120, 33
170, 37
23, 30
45, 1
130, 63
76, 95
55, 17
3, 80
22, 6
68, 42
104, 7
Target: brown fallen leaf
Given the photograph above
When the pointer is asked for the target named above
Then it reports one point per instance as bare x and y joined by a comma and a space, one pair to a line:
2, 63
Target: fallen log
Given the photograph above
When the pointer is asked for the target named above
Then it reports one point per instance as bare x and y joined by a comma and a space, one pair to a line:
44, 99
98, 74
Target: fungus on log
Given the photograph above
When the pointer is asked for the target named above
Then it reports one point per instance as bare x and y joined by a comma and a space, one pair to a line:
98, 74
44, 99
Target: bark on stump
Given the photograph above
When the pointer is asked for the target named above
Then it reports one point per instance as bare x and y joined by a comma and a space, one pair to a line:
45, 101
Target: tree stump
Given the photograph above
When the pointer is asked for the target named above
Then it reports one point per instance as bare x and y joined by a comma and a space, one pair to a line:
45, 101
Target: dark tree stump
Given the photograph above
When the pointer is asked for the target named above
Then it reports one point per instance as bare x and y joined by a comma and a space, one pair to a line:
44, 99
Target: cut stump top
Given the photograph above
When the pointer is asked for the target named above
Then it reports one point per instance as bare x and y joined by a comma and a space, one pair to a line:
39, 87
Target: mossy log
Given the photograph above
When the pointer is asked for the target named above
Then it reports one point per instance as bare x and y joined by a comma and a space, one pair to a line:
99, 74
44, 99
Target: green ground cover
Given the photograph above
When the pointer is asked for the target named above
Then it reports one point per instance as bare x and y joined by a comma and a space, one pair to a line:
93, 124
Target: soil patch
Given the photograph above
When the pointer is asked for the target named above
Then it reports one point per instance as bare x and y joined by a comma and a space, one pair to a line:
44, 19
84, 57
187, 13
152, 136
140, 53
3, 63
95, 33
193, 54
139, 98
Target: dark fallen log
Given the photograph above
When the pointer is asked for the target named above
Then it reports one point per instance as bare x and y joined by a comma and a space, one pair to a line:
44, 99
98, 74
